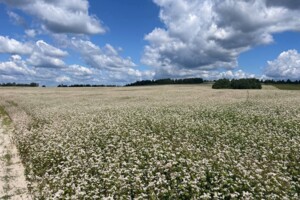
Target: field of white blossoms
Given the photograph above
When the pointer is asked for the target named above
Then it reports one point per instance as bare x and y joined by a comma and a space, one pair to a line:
164, 142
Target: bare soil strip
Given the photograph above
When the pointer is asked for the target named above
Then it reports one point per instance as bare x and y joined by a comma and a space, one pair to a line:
13, 184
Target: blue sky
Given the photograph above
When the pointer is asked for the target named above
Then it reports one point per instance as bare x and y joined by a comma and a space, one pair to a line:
117, 42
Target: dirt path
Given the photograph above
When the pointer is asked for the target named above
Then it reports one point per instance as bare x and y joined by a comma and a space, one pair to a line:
12, 180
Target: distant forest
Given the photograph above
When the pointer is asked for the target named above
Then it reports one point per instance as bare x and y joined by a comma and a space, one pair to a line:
167, 81
244, 83
86, 85
288, 81
19, 84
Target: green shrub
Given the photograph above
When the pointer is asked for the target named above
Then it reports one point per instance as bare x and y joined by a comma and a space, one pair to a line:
245, 83
222, 84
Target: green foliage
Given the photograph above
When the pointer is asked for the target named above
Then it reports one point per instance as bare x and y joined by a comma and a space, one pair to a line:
167, 81
5, 118
2, 111
245, 83
222, 84
19, 84
288, 81
86, 85
287, 86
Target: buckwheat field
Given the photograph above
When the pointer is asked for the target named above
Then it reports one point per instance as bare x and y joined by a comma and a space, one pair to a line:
164, 142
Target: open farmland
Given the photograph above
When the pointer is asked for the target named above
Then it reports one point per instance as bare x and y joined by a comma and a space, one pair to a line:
287, 86
165, 142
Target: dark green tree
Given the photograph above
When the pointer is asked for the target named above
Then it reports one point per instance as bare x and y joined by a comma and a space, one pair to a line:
222, 84
244, 83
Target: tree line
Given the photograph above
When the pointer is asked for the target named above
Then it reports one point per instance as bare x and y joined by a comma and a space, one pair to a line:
167, 81
244, 83
251, 83
288, 81
85, 85
19, 84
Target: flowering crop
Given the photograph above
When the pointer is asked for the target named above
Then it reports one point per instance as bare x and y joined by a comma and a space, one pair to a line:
167, 142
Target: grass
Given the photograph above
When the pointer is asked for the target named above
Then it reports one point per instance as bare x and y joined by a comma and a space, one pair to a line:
7, 158
287, 86
7, 178
2, 111
6, 197
6, 188
12, 103
6, 121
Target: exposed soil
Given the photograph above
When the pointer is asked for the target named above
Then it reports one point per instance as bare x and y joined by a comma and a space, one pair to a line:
13, 184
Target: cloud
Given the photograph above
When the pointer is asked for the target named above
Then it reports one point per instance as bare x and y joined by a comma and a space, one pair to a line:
30, 33
46, 56
12, 46
15, 66
290, 4
40, 54
106, 58
19, 70
63, 79
17, 19
210, 35
79, 71
107, 62
49, 50
61, 16
45, 62
7, 78
206, 74
286, 66
235, 74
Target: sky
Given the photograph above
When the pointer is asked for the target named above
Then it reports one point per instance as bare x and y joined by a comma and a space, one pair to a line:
121, 41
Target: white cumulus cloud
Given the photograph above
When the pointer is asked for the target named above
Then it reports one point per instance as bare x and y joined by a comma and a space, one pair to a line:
60, 16
79, 71
286, 66
30, 33
16, 67
12, 46
107, 63
205, 35
235, 74
46, 56
106, 58
63, 79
